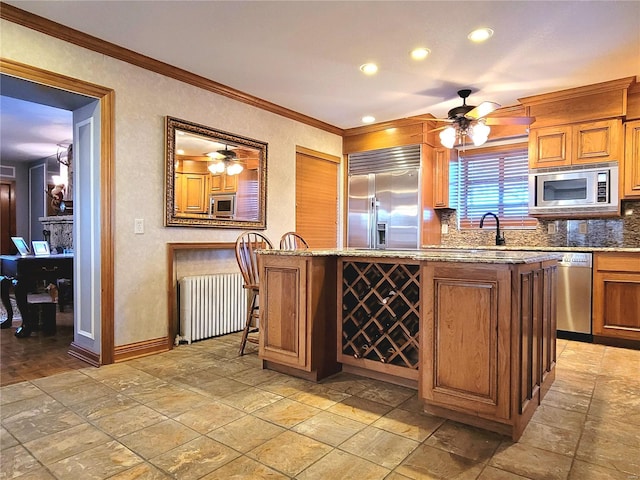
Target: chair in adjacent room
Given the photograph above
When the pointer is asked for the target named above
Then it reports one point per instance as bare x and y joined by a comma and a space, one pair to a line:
293, 241
246, 246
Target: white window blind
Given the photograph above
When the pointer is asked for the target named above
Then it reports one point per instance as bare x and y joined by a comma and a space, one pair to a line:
495, 180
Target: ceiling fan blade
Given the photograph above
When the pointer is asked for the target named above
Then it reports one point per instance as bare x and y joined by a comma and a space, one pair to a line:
431, 119
510, 120
482, 110
439, 128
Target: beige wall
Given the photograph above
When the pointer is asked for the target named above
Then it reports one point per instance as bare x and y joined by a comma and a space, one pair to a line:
143, 99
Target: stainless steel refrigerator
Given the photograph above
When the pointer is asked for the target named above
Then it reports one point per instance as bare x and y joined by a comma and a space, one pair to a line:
384, 210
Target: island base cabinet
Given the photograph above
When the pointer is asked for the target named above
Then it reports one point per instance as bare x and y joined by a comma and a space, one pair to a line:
487, 342
297, 315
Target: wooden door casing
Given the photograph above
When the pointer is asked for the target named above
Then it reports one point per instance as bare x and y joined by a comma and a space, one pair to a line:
7, 217
317, 198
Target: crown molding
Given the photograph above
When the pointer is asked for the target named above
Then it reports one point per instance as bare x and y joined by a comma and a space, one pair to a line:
76, 37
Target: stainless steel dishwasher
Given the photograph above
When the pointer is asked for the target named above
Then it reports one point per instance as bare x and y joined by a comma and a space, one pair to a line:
574, 295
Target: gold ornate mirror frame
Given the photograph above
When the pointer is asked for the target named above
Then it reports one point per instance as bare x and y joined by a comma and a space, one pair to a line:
213, 178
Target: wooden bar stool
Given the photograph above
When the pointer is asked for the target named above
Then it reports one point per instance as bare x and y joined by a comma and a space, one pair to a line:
246, 246
293, 241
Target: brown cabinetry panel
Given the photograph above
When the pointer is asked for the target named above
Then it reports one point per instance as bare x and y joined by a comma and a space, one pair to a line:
224, 183
550, 147
455, 345
467, 340
632, 160
297, 314
616, 296
191, 193
597, 141
442, 158
282, 295
576, 144
487, 342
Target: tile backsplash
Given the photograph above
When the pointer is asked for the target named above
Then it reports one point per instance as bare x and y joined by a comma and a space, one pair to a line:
606, 232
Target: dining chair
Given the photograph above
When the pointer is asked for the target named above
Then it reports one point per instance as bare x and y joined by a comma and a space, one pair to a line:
246, 246
293, 241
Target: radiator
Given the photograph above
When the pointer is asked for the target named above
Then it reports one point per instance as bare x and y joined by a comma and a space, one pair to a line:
211, 305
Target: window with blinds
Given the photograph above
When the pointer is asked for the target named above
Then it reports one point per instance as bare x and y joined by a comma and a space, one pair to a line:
494, 179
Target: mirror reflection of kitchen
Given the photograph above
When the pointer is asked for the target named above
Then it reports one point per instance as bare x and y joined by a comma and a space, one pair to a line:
215, 180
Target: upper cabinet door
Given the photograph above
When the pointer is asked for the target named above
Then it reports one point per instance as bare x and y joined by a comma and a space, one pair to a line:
577, 144
442, 158
550, 147
632, 160
597, 141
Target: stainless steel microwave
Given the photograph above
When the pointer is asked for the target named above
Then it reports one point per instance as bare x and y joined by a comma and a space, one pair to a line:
222, 205
583, 189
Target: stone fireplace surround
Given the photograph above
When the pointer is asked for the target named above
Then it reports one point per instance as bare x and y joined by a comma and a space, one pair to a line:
61, 228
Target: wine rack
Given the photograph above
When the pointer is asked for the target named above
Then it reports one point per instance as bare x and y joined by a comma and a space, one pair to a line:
380, 314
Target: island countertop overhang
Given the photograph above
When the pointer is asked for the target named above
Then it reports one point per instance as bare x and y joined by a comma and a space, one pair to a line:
433, 255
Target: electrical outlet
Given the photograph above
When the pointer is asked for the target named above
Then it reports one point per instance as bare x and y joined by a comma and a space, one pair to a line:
552, 228
582, 228
444, 229
138, 226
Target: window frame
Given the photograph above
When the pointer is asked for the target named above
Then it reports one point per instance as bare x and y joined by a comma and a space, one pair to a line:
468, 217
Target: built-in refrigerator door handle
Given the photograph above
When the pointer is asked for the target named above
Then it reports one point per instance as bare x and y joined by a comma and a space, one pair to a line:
373, 218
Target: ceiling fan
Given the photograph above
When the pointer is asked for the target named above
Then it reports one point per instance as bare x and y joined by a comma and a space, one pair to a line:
471, 121
227, 160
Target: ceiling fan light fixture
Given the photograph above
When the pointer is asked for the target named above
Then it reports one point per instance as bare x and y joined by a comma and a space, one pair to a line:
480, 133
480, 35
369, 68
448, 137
420, 53
234, 168
217, 167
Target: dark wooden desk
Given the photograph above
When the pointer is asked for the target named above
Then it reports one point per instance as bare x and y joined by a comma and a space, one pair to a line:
23, 272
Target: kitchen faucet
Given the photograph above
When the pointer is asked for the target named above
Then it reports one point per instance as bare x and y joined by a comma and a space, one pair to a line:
499, 238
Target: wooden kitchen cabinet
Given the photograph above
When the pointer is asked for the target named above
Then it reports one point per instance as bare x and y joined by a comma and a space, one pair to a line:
297, 315
616, 297
223, 183
494, 353
631, 173
442, 158
550, 147
191, 193
578, 144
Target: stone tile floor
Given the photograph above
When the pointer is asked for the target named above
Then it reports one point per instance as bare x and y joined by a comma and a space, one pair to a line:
202, 412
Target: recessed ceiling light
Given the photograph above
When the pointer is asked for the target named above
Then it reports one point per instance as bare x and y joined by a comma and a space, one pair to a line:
369, 68
480, 35
420, 53
180, 151
368, 119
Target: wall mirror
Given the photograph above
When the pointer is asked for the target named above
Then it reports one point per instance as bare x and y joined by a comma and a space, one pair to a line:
214, 178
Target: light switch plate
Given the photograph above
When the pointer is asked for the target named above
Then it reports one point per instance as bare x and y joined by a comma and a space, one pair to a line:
552, 228
138, 226
444, 229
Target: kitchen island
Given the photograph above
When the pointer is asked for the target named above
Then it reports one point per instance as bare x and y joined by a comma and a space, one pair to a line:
473, 330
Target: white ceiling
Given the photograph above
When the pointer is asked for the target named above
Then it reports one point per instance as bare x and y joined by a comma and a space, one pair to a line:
304, 55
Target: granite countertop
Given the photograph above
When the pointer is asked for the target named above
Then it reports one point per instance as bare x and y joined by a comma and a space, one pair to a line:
533, 249
470, 255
